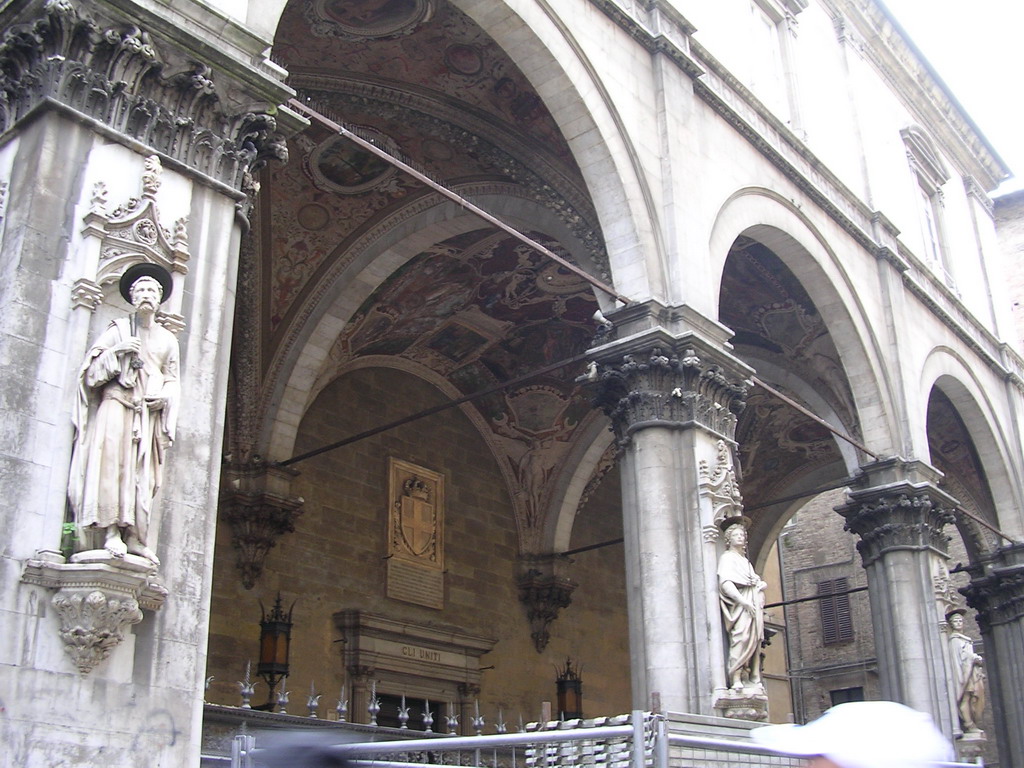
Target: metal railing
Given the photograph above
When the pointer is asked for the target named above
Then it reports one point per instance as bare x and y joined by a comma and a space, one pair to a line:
639, 740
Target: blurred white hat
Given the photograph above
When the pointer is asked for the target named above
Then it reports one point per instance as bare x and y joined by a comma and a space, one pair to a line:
863, 734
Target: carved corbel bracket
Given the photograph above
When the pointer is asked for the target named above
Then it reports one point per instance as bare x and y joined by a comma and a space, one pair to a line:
97, 598
544, 594
259, 514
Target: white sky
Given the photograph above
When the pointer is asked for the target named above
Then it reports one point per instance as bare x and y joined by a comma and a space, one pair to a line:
977, 47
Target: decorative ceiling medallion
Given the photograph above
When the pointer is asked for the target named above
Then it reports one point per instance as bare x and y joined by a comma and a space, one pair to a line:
363, 19
340, 165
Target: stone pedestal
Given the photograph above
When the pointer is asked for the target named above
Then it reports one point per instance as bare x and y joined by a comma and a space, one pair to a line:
898, 512
743, 705
672, 392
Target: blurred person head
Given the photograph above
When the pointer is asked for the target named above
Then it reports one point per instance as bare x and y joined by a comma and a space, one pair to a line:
301, 749
862, 734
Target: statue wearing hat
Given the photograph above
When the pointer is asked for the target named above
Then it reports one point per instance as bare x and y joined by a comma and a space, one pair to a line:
124, 420
968, 674
741, 594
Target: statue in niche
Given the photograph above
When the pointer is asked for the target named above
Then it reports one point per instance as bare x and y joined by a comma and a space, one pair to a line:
124, 420
968, 674
741, 594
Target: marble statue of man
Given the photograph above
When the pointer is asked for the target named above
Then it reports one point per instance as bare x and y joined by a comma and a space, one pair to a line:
968, 673
124, 420
741, 594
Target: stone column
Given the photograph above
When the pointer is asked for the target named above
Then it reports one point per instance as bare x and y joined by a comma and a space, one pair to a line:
108, 658
996, 592
672, 392
899, 513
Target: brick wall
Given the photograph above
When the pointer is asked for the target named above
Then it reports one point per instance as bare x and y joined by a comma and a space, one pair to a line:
335, 559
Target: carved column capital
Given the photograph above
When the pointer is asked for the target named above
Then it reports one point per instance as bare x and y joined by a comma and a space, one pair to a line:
544, 593
259, 511
143, 86
670, 382
900, 514
996, 590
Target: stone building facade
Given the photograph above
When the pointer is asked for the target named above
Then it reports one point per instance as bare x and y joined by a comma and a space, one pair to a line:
735, 253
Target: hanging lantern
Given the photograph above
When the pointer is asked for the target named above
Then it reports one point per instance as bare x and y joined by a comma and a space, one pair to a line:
569, 685
275, 639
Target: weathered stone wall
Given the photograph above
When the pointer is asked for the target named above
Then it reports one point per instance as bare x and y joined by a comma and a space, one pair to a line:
158, 667
1010, 228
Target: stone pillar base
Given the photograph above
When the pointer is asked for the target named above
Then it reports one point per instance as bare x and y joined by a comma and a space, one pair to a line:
748, 703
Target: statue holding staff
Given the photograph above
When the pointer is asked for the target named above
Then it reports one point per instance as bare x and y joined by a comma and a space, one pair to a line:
124, 420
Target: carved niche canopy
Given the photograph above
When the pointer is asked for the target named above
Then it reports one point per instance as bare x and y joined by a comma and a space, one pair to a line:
415, 551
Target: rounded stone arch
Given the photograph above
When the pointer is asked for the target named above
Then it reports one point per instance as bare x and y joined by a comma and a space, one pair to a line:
546, 51
303, 358
946, 371
263, 16
764, 215
593, 442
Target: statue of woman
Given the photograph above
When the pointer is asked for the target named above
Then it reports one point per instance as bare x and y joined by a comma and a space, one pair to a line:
741, 594
968, 673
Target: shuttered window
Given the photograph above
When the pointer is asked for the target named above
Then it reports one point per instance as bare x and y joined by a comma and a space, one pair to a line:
836, 622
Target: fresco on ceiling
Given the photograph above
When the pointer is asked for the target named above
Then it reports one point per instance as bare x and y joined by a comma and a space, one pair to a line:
441, 93
309, 220
340, 165
777, 445
448, 55
369, 17
479, 309
774, 319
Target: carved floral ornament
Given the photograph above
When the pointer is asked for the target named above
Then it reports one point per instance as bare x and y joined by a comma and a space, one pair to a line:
114, 73
96, 601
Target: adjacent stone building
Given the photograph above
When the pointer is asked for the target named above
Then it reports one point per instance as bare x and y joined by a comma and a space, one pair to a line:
641, 270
